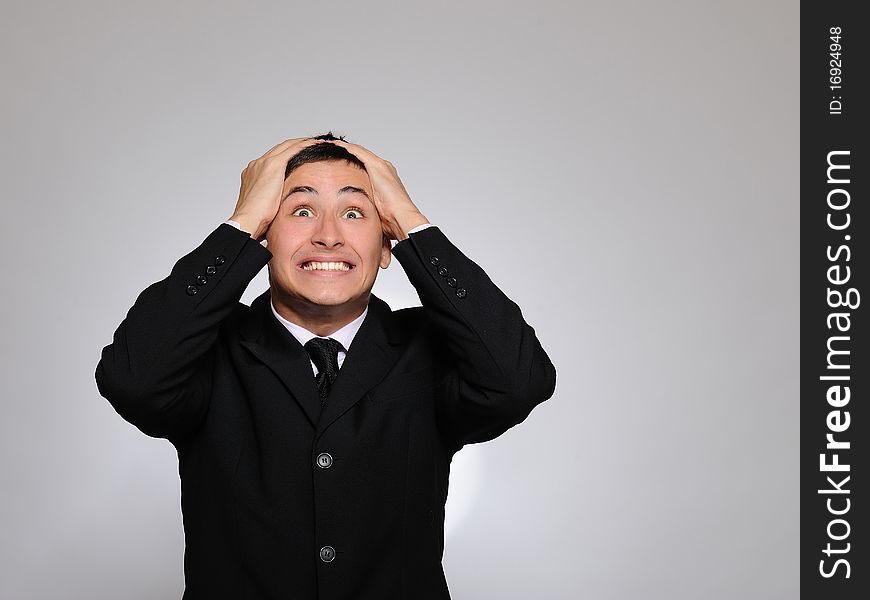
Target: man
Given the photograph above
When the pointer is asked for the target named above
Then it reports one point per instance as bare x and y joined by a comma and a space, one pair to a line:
315, 428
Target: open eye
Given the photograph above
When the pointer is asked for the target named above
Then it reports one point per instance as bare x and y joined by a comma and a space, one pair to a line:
302, 212
353, 213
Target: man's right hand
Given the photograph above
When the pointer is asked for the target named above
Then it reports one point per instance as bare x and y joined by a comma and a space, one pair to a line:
262, 183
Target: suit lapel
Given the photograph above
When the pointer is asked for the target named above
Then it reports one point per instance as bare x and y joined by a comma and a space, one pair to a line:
374, 350
272, 344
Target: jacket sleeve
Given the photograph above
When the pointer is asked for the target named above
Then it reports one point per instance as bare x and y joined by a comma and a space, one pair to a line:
156, 373
502, 370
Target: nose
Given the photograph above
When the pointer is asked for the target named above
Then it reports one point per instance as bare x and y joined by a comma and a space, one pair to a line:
327, 234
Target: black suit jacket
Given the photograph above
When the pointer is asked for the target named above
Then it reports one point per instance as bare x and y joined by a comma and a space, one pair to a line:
281, 500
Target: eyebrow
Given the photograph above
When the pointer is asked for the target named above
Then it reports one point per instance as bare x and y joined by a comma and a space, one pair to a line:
348, 189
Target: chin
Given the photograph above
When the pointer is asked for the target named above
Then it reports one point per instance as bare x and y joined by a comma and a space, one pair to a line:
327, 297
330, 300
350, 293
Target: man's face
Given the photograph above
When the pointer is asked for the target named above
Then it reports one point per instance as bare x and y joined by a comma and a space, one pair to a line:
326, 239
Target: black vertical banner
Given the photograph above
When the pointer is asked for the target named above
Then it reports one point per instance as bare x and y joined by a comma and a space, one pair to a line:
835, 373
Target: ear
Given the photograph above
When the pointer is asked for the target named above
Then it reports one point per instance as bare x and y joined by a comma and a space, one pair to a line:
386, 252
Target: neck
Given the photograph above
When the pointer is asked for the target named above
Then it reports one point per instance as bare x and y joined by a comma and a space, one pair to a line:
321, 320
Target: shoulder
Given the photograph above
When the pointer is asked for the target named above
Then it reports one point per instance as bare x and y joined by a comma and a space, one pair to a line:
410, 316
402, 325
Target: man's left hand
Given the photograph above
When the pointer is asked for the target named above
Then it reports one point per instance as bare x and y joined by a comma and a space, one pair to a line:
397, 212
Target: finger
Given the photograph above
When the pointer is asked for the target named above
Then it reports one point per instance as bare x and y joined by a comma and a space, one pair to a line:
291, 144
365, 154
279, 146
368, 158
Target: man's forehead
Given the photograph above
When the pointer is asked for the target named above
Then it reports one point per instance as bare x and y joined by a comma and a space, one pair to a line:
328, 175
324, 177
328, 171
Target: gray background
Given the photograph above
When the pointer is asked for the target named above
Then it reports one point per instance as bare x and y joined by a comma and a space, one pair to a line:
627, 171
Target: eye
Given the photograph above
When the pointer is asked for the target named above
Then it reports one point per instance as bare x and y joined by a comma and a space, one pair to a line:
354, 213
302, 212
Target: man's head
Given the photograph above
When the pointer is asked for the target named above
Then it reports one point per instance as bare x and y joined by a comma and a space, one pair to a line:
326, 239
322, 152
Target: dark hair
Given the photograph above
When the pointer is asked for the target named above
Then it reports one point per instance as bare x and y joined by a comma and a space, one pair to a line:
322, 152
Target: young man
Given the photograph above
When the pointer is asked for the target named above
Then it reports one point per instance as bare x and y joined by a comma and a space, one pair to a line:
315, 428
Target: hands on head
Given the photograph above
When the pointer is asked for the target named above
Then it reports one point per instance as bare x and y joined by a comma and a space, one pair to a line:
263, 179
328, 222
398, 213
262, 183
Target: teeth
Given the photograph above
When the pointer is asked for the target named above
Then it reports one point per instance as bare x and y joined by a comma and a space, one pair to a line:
326, 266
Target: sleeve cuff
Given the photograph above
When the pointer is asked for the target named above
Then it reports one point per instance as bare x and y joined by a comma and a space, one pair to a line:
420, 227
238, 226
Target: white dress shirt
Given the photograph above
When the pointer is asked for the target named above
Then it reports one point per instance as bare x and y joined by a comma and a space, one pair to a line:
344, 334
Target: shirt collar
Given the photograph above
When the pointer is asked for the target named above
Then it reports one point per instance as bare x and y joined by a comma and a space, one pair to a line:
344, 334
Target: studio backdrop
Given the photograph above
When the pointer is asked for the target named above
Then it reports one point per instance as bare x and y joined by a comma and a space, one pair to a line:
626, 171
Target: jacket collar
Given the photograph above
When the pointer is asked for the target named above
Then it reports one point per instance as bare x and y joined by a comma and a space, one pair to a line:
375, 349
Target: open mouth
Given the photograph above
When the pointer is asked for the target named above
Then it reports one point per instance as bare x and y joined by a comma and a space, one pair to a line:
314, 265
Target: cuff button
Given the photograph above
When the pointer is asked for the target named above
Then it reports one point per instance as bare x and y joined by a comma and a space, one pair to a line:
434, 260
201, 280
191, 290
451, 281
210, 270
443, 271
220, 259
460, 292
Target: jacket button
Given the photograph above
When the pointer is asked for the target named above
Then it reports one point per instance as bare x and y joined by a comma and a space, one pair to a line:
201, 280
191, 290
451, 281
443, 271
461, 292
210, 270
220, 259
434, 260
327, 554
324, 460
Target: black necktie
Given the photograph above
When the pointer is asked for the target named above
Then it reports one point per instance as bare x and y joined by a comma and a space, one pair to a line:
324, 354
